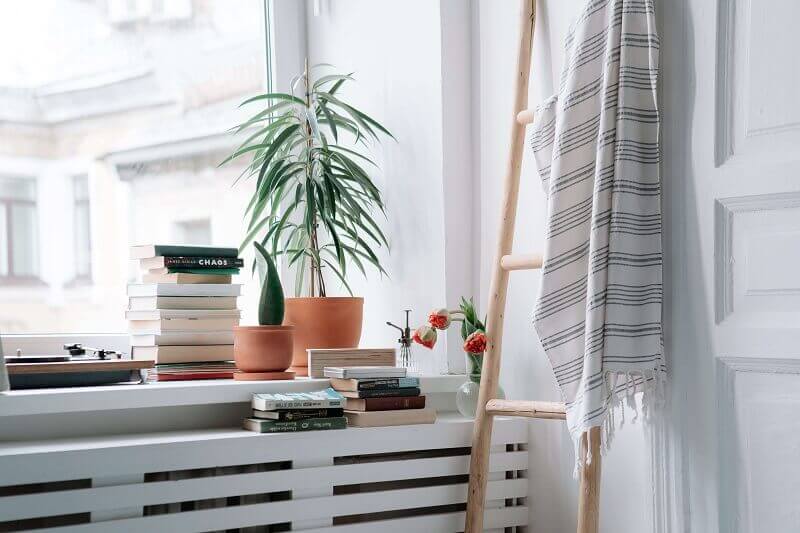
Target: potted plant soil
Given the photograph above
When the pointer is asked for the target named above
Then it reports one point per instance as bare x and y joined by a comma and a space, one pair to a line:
313, 203
265, 351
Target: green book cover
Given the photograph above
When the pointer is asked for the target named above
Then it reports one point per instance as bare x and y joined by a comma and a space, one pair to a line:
287, 426
176, 250
219, 271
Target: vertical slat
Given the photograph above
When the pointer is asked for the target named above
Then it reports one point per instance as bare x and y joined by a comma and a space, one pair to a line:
113, 514
589, 495
308, 462
482, 431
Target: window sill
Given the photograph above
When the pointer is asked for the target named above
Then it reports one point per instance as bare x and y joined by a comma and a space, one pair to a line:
112, 397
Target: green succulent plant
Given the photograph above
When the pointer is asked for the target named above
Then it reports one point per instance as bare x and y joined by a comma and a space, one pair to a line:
314, 198
271, 301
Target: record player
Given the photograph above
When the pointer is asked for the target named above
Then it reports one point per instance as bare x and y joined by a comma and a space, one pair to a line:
81, 366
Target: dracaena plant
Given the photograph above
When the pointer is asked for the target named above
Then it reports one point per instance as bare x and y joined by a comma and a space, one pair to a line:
314, 199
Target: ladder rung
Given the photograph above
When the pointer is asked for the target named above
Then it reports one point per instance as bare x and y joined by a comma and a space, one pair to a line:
529, 409
521, 262
525, 117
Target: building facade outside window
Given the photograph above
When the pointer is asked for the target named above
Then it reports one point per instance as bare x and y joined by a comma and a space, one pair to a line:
82, 231
19, 248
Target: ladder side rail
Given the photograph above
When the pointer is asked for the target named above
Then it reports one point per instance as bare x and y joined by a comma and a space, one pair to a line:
482, 430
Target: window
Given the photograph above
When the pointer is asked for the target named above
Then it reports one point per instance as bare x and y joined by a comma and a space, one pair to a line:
193, 231
19, 257
82, 242
116, 113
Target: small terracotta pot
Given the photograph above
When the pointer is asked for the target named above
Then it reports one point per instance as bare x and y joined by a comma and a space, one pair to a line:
330, 322
263, 348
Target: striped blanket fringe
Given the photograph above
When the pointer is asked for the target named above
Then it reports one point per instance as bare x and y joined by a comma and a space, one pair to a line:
596, 145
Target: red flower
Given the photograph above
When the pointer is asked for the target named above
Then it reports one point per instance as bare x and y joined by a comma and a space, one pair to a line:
439, 318
426, 336
475, 343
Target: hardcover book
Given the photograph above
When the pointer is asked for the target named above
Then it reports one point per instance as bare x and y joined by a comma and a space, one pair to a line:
380, 393
200, 271
323, 399
174, 289
390, 403
277, 426
370, 384
156, 327
405, 417
153, 250
297, 414
152, 263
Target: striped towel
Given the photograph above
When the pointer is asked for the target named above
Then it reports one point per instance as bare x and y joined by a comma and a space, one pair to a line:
596, 145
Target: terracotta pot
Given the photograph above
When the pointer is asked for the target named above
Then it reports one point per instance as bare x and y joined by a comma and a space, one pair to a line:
323, 323
263, 348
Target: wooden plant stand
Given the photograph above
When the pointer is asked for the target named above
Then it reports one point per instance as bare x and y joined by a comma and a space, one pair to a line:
488, 406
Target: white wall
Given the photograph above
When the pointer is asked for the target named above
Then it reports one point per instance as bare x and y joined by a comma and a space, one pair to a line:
432, 71
394, 49
625, 501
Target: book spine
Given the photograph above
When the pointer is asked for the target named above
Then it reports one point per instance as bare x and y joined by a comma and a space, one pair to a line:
203, 262
387, 383
379, 393
305, 414
272, 405
277, 426
219, 271
390, 404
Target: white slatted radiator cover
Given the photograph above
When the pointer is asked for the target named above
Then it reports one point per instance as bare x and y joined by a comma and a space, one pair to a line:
405, 478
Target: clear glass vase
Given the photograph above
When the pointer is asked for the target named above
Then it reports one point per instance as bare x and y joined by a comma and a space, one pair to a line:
408, 359
467, 393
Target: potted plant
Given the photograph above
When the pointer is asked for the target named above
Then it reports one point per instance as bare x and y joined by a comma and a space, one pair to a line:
473, 332
314, 202
265, 351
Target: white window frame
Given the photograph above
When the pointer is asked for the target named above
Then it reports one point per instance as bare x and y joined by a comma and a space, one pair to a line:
285, 45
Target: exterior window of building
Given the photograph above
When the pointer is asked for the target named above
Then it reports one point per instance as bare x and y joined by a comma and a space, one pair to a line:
82, 229
193, 231
19, 249
136, 98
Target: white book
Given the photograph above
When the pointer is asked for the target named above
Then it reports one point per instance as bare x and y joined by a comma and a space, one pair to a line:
171, 338
176, 289
365, 372
183, 278
156, 327
147, 303
163, 355
190, 314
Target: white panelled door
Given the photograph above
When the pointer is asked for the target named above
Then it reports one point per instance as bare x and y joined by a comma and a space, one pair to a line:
731, 100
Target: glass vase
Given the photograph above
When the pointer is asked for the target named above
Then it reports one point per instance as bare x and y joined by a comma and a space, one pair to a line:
467, 393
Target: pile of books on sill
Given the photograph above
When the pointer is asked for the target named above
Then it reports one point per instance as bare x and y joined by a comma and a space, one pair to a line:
182, 314
380, 396
296, 411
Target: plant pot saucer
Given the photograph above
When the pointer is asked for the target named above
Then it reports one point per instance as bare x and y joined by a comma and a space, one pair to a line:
262, 376
299, 370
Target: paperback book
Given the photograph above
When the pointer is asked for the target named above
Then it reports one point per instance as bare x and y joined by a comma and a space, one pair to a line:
277, 426
171, 250
297, 414
380, 393
371, 384
365, 372
390, 418
323, 399
152, 263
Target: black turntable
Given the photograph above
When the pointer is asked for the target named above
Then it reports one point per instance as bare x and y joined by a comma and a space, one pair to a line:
81, 366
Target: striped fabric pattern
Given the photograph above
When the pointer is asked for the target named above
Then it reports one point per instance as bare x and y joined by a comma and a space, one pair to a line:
596, 145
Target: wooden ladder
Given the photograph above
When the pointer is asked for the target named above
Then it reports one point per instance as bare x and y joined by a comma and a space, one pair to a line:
505, 262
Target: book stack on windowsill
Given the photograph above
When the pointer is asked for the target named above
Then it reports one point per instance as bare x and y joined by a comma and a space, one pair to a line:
296, 411
380, 396
182, 314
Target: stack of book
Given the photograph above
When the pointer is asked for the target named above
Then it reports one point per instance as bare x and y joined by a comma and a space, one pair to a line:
296, 411
380, 396
182, 314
